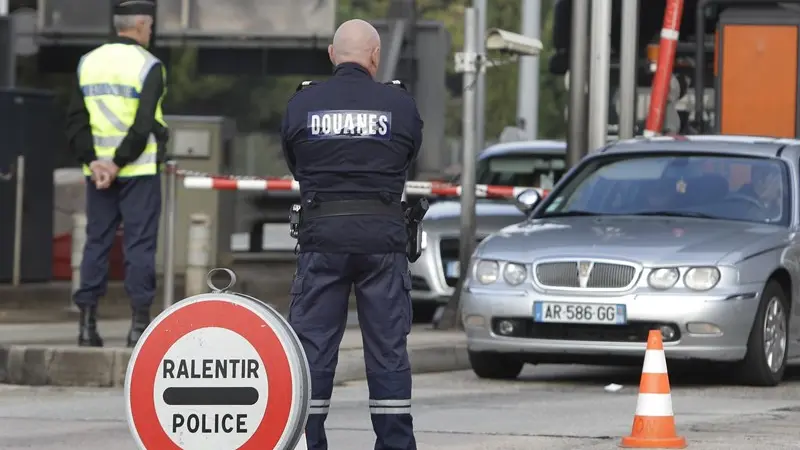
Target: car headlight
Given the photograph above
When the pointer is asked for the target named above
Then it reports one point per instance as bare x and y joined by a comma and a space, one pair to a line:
663, 278
424, 241
701, 278
487, 271
514, 274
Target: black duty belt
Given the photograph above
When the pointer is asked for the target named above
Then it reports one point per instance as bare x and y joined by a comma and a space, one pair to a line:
353, 208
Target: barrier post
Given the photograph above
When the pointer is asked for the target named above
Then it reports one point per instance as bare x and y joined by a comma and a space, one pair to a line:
599, 73
78, 243
169, 238
449, 317
16, 274
197, 260
670, 32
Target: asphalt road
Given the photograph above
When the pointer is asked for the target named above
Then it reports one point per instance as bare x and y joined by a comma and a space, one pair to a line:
552, 407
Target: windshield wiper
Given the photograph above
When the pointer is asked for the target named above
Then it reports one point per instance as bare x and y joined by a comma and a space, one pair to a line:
695, 215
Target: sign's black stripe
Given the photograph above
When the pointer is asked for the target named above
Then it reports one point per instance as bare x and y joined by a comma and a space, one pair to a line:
205, 396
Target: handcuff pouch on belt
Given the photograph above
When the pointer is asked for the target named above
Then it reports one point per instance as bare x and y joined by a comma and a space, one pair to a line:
294, 220
413, 217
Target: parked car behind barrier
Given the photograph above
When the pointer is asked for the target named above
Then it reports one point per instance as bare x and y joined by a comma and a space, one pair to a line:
537, 164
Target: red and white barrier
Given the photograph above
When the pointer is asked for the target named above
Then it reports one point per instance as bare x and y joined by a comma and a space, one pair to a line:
670, 32
450, 190
288, 185
228, 184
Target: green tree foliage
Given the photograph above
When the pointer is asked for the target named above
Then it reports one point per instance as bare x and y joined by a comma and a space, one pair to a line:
501, 82
257, 102
186, 86
552, 94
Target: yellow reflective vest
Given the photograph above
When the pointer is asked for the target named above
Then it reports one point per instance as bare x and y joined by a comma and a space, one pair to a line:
111, 78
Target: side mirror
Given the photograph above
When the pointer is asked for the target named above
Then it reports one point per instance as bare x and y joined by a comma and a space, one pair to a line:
527, 200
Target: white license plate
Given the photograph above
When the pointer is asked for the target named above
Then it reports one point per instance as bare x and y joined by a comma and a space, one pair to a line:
589, 313
452, 269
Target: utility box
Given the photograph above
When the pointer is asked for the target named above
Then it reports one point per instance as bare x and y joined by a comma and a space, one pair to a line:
756, 66
202, 144
29, 127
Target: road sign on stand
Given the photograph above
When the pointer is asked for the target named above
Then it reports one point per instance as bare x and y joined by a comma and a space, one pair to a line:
219, 371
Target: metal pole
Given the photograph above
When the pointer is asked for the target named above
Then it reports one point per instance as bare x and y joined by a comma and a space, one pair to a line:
599, 74
528, 86
628, 67
16, 274
169, 238
79, 222
577, 145
480, 84
470, 149
450, 316
198, 257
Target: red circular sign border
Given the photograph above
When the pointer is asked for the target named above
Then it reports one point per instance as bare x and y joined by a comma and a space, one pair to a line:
204, 314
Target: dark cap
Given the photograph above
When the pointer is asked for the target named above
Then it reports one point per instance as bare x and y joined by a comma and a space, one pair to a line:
134, 8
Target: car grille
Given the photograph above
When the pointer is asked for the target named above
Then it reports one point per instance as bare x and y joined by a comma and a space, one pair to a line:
564, 274
634, 331
449, 252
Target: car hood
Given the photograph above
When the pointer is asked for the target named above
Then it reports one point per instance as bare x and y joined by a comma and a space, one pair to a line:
647, 240
490, 216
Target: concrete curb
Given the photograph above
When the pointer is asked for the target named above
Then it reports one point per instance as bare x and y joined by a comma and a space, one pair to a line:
428, 359
105, 367
37, 365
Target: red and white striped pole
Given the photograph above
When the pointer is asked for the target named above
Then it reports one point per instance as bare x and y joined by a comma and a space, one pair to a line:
412, 187
666, 60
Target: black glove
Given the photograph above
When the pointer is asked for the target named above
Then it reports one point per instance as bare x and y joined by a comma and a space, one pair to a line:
161, 133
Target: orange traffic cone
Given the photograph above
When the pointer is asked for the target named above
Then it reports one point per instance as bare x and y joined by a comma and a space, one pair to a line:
654, 422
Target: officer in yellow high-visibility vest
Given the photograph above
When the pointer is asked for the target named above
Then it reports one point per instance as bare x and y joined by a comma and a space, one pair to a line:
116, 127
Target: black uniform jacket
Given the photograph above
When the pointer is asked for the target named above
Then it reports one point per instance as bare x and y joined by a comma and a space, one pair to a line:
346, 138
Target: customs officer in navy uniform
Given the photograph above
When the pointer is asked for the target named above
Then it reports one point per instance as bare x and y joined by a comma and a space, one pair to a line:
350, 141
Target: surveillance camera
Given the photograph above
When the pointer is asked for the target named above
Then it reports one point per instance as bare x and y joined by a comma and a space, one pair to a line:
516, 44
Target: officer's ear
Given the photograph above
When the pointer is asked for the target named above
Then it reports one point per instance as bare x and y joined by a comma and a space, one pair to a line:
330, 55
376, 57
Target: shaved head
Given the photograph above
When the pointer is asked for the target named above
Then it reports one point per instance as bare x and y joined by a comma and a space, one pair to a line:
356, 41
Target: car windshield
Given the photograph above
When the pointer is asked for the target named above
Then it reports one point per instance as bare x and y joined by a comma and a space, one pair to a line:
718, 187
541, 171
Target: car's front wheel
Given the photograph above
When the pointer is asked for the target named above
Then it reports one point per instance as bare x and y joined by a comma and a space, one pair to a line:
495, 366
765, 361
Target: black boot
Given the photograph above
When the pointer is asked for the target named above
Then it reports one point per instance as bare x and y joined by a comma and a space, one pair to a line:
87, 334
139, 322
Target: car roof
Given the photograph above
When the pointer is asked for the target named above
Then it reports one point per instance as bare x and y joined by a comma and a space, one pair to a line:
539, 147
759, 146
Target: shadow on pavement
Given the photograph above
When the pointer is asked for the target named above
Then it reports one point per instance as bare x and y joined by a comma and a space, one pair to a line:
681, 375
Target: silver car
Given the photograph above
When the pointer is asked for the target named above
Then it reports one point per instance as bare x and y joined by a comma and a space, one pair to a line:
528, 163
695, 237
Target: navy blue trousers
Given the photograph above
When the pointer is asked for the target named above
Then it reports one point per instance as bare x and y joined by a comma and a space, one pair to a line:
318, 314
136, 203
